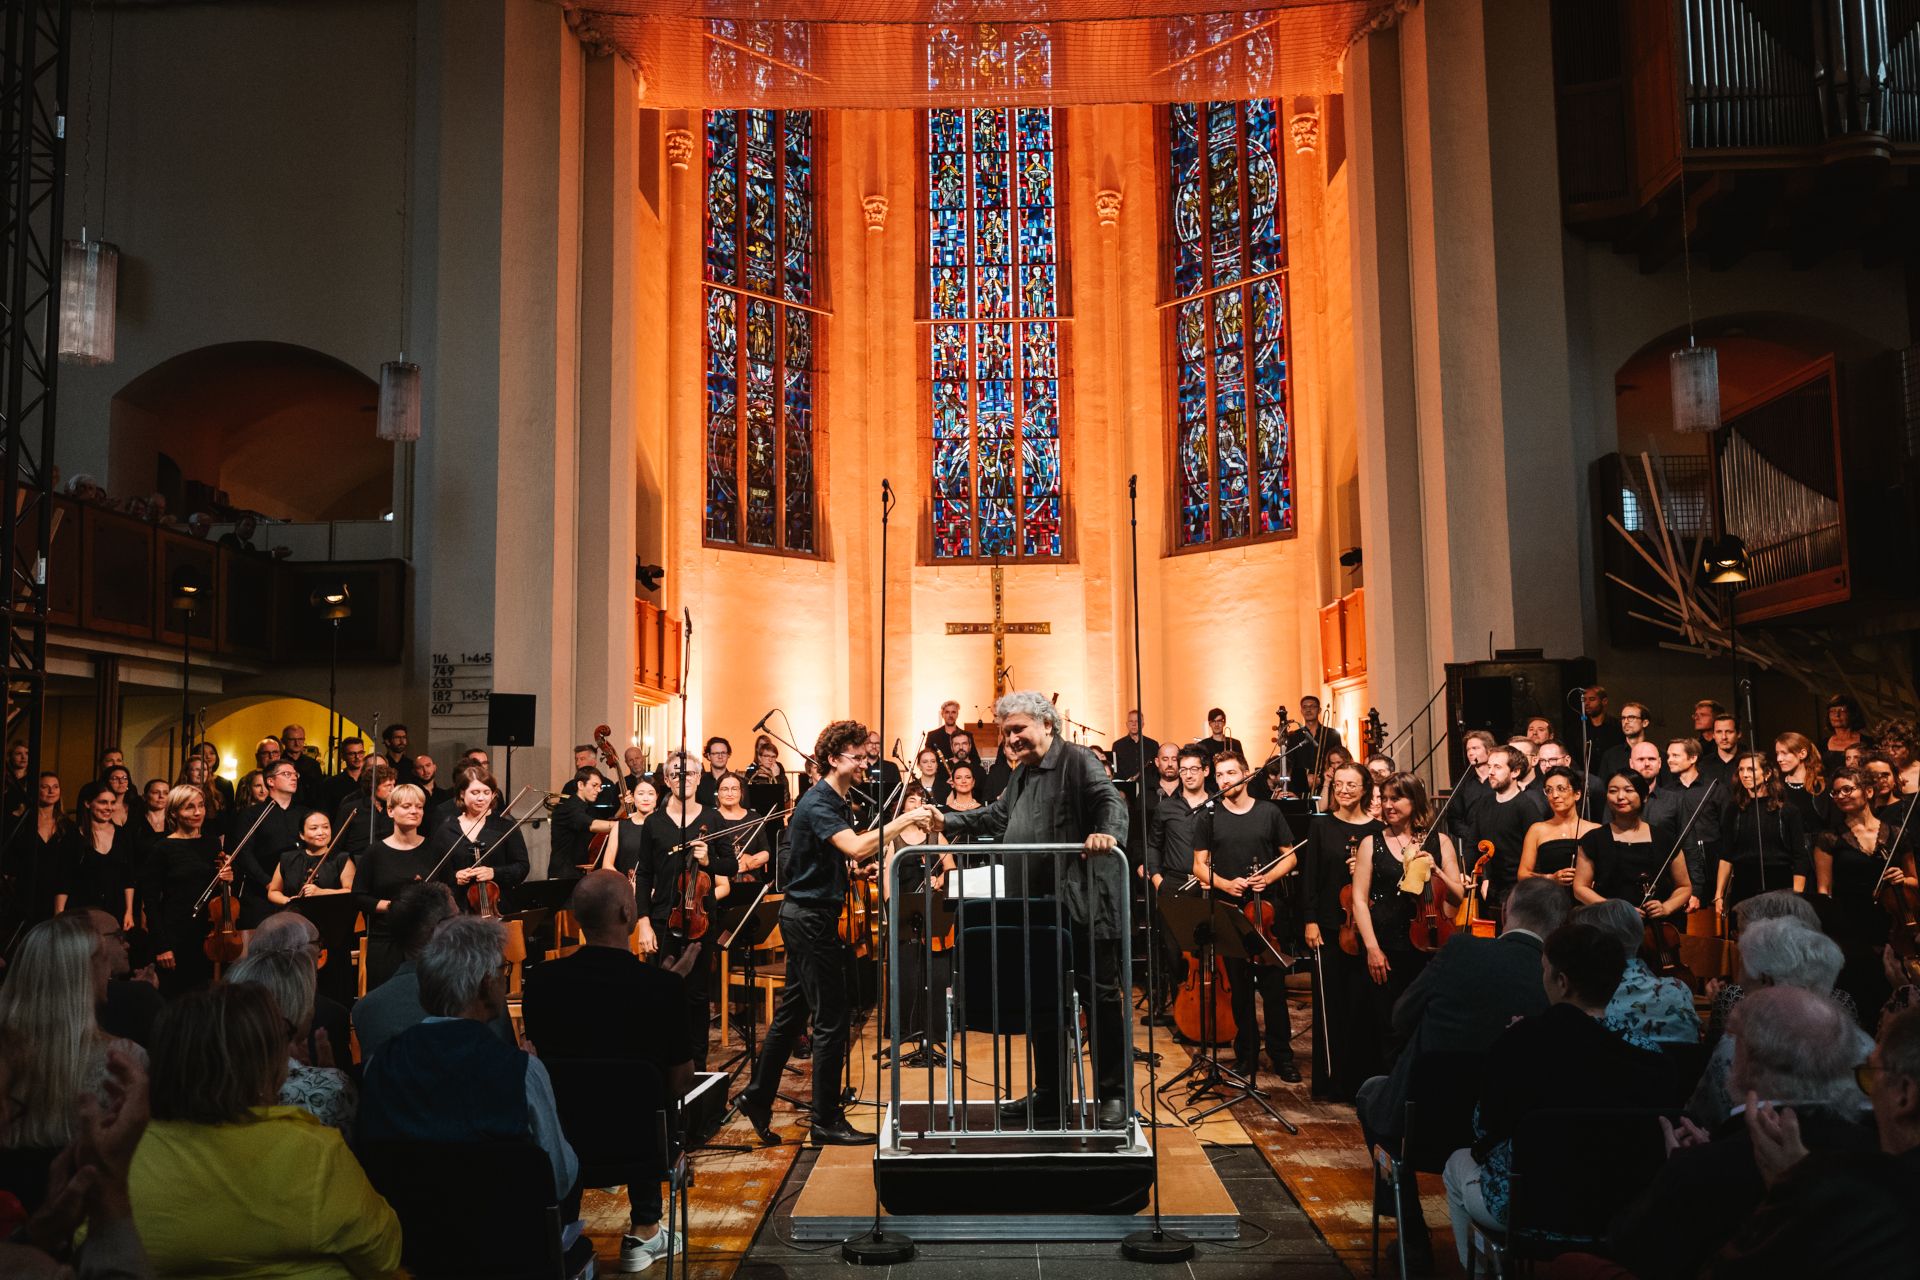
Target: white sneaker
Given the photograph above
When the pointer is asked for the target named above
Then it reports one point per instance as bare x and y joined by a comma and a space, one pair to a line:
634, 1254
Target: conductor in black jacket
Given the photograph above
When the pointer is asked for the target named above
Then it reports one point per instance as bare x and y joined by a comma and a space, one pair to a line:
1460, 1003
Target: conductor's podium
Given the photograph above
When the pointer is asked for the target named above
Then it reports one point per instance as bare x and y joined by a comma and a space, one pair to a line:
985, 1174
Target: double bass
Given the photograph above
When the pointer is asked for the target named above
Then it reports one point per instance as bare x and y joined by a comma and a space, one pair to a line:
597, 842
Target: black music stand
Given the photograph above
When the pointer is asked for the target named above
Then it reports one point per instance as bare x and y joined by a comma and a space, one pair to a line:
535, 903
923, 916
744, 936
1214, 929
333, 915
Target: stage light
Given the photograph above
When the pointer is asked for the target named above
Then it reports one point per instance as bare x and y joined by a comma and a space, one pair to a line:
1724, 562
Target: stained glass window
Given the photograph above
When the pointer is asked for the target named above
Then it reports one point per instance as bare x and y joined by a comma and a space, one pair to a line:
993, 274
762, 333
1233, 441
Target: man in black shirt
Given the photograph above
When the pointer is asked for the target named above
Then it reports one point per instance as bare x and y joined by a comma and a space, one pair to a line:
313, 779
1632, 721
1503, 816
1472, 786
1690, 802
1242, 847
821, 841
1131, 754
601, 1002
1216, 739
353, 760
279, 830
399, 759
576, 822
941, 738
1169, 854
1307, 746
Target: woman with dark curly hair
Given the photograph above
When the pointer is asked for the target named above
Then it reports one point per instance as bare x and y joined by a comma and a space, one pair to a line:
1846, 727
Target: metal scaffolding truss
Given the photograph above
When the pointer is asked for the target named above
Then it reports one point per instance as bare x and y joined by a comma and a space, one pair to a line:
33, 109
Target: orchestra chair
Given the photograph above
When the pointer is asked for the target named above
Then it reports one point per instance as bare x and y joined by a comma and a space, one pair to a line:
636, 1136
1574, 1170
769, 977
1438, 1121
475, 1210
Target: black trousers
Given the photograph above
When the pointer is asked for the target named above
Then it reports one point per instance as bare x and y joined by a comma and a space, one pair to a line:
1103, 996
700, 978
816, 992
1268, 981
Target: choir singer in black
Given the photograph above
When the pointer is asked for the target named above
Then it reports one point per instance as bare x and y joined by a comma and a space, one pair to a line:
821, 841
1060, 793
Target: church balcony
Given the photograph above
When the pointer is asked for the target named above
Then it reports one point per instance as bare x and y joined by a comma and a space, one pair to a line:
111, 584
1789, 125
1817, 474
656, 652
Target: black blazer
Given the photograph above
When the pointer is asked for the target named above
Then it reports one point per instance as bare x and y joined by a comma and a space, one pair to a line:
1460, 1003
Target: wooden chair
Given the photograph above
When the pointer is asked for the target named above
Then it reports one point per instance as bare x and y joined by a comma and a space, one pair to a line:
471, 1210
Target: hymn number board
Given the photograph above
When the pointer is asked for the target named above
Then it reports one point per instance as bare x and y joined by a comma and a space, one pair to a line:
999, 629
462, 683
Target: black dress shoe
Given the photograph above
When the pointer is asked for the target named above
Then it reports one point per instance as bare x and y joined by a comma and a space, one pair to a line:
1248, 1067
841, 1134
1113, 1113
1285, 1069
1046, 1111
761, 1118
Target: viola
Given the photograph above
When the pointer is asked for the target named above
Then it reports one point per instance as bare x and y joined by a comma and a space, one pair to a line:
1431, 925
227, 942
688, 918
1349, 930
1191, 1013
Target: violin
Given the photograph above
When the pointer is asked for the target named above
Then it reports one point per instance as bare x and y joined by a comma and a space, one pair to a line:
227, 942
1901, 902
862, 907
1261, 915
1431, 925
1661, 940
688, 918
1349, 930
1197, 992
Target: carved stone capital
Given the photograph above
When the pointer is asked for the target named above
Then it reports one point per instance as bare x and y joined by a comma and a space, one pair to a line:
1106, 207
875, 207
1305, 129
679, 148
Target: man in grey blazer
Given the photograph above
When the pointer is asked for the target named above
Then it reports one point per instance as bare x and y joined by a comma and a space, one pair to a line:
1460, 1003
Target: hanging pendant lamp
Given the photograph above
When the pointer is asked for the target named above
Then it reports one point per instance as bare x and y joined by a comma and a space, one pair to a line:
1695, 372
399, 401
89, 299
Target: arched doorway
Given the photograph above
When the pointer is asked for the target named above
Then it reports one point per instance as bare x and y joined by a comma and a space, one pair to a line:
234, 726
278, 429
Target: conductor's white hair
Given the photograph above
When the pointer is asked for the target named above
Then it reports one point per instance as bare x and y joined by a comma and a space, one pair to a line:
1030, 703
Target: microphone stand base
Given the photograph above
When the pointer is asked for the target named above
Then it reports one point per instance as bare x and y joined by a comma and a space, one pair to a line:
1156, 1246
878, 1248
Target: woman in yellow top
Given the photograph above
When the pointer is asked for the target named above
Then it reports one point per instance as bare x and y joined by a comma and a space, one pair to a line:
225, 1182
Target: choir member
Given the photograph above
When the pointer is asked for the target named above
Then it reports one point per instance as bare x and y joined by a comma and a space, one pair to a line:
101, 869
941, 738
749, 844
313, 867
474, 832
1694, 806
47, 847
353, 762
1307, 746
1629, 858
1850, 862
1805, 780
1389, 876
1764, 845
1327, 868
362, 819
1633, 721
1552, 845
119, 780
400, 858
1845, 723
177, 873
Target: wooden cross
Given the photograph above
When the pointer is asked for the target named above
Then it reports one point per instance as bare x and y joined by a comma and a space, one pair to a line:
999, 629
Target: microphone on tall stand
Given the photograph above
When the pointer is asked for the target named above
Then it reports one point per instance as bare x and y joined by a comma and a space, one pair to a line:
688, 612
761, 723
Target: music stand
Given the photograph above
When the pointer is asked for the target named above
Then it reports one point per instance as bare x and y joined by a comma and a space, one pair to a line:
333, 915
1213, 929
745, 934
924, 916
536, 903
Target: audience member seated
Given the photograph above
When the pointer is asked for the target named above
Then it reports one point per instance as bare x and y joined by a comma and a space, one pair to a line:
394, 1005
88, 1185
1559, 1058
48, 1004
1839, 1213
450, 1079
319, 1087
1793, 1048
1647, 1010
131, 1003
1780, 952
602, 1002
291, 931
227, 1182
1776, 904
1460, 1003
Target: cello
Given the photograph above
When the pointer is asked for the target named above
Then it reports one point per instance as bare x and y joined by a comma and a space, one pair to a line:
1191, 1016
597, 842
1468, 916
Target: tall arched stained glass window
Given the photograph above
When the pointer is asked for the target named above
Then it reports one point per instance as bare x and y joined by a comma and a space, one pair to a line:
1232, 432
763, 329
994, 272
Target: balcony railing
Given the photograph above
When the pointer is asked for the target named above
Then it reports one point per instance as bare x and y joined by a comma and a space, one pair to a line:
656, 657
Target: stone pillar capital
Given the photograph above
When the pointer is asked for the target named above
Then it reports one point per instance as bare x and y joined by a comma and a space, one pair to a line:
679, 148
1106, 207
875, 207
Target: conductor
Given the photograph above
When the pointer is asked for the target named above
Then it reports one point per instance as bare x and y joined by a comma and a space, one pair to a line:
1060, 794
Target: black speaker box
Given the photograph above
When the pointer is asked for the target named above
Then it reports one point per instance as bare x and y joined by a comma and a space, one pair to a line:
1501, 694
510, 719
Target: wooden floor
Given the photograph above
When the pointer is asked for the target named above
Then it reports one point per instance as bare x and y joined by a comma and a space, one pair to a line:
1305, 1201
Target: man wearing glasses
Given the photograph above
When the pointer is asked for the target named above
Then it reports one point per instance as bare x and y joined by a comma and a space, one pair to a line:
821, 842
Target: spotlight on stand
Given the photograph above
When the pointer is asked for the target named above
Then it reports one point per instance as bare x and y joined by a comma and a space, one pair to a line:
186, 587
332, 602
648, 576
1724, 561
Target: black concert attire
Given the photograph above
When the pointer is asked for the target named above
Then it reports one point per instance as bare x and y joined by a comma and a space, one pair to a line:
571, 832
311, 793
1392, 911
402, 766
749, 837
1132, 757
351, 822
508, 856
1306, 749
177, 873
767, 795
1505, 822
1556, 854
40, 866
296, 863
1765, 846
1062, 798
1858, 922
1705, 803
705, 789
334, 920
1817, 815
1169, 855
253, 866
657, 888
1239, 844
817, 959
340, 786
1468, 794
630, 850
1630, 869
1600, 737
379, 875
90, 878
994, 781
1616, 757
1352, 1040
941, 740
1211, 746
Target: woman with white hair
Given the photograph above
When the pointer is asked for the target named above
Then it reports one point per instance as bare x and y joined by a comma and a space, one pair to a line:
1647, 1010
1780, 952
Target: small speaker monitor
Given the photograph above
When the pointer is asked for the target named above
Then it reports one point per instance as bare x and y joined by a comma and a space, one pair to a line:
510, 719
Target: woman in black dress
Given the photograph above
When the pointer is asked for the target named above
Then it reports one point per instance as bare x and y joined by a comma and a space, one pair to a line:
1629, 858
473, 832
1804, 777
387, 867
312, 868
1849, 864
1389, 877
100, 872
1845, 723
1552, 845
628, 847
46, 848
750, 842
1346, 1048
178, 872
1762, 846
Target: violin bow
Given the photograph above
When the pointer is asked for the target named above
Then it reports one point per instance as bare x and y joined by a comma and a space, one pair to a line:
206, 895
1680, 843
1893, 847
